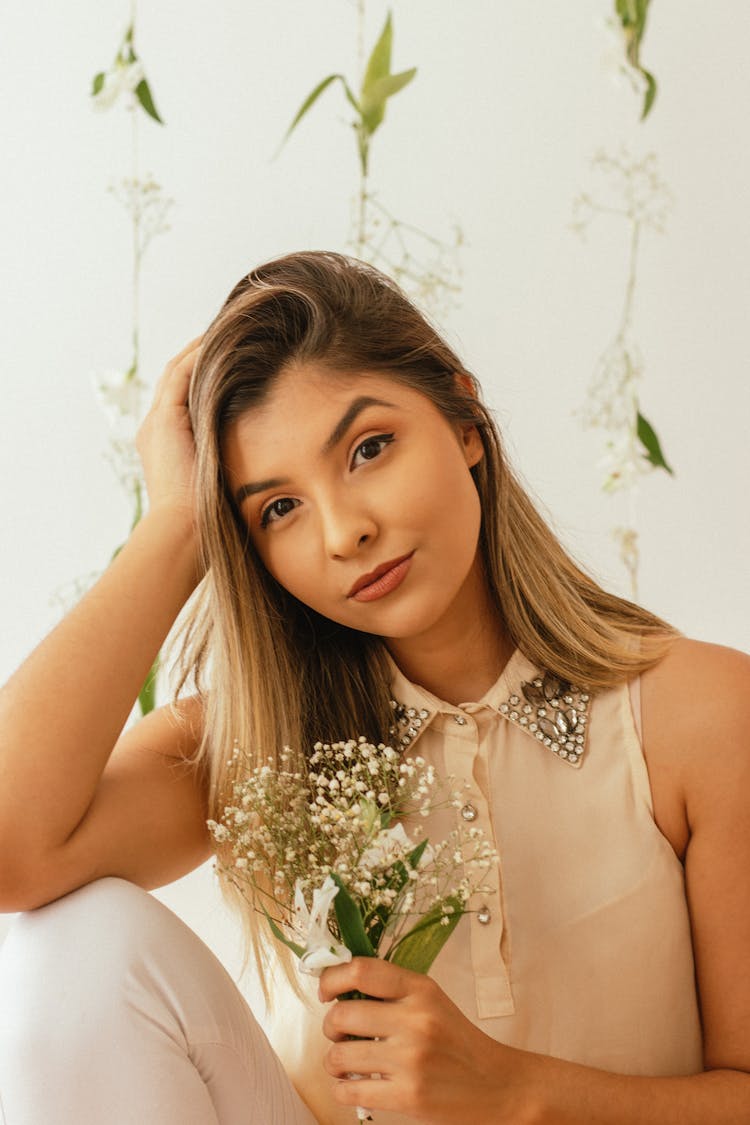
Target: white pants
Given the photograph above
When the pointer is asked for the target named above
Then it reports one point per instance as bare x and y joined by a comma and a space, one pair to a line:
113, 1011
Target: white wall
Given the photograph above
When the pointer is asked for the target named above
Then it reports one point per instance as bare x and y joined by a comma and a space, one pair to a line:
497, 131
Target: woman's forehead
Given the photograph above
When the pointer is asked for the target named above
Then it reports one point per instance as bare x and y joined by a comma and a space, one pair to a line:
313, 389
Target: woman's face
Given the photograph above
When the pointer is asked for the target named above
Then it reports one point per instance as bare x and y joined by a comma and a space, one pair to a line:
358, 497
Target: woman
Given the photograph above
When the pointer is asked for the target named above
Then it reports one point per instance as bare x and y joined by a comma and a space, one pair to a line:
321, 457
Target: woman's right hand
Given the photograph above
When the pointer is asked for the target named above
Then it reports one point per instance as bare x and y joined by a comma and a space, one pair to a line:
165, 441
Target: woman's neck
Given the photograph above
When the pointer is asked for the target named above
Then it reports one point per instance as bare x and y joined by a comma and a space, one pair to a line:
462, 655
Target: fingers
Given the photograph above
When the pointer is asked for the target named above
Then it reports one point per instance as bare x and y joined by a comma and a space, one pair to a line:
173, 385
365, 1019
373, 977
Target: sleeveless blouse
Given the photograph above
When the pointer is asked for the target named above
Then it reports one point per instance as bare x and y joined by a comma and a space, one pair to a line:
583, 949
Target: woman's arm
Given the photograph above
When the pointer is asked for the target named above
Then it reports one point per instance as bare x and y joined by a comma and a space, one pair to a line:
440, 1068
62, 711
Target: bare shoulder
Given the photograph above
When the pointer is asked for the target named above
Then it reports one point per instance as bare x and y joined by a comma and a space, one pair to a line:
697, 746
696, 732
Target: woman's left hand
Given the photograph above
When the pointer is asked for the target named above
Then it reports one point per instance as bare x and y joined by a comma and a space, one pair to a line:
435, 1065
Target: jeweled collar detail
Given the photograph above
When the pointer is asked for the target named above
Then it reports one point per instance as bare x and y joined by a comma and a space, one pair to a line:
408, 723
551, 710
554, 712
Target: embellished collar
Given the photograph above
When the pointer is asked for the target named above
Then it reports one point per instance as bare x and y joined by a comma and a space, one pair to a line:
550, 710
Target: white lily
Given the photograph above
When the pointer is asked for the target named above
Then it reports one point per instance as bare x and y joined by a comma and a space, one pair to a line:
390, 845
321, 947
122, 77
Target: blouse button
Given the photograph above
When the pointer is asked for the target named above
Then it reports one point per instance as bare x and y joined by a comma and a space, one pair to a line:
483, 915
460, 720
468, 812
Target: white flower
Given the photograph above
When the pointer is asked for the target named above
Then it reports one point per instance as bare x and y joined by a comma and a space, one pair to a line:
122, 77
321, 948
389, 845
119, 397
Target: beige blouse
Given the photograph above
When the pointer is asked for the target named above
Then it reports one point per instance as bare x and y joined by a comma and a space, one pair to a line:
583, 950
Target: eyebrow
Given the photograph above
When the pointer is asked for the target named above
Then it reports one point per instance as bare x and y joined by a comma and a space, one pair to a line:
339, 430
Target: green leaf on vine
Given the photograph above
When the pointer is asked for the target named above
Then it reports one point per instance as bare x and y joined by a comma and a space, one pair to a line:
143, 93
375, 96
378, 85
98, 83
650, 442
632, 16
311, 99
379, 62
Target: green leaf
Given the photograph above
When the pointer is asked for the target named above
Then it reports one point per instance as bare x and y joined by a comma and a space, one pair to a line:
650, 442
310, 101
650, 94
379, 62
98, 83
415, 856
147, 694
143, 94
418, 948
351, 926
277, 933
375, 97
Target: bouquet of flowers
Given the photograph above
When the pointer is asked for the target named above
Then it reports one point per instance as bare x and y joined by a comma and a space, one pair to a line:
321, 849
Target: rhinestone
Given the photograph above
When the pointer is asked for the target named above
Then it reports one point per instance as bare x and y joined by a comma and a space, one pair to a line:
411, 712
417, 723
460, 720
412, 732
523, 720
579, 739
585, 698
527, 708
483, 915
515, 700
405, 740
514, 715
532, 726
568, 698
504, 708
468, 812
541, 712
540, 736
424, 714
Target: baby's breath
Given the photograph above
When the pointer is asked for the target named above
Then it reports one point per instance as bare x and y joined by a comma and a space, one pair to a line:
289, 828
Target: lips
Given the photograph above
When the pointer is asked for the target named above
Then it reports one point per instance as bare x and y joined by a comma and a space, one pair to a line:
378, 572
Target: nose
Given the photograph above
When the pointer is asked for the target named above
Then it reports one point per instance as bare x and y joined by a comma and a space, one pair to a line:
347, 528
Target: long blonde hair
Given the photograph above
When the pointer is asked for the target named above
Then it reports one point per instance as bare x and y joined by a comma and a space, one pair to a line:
272, 672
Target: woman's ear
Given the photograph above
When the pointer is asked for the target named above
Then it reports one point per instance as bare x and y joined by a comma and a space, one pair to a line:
471, 443
468, 434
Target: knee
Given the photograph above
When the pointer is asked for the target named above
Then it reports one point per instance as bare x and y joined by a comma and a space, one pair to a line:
79, 941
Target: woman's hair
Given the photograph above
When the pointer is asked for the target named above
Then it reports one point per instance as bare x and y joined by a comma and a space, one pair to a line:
272, 672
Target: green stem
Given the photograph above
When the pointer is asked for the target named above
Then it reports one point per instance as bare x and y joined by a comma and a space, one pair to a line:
627, 310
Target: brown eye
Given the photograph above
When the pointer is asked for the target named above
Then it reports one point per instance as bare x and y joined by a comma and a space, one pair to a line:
371, 447
277, 509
